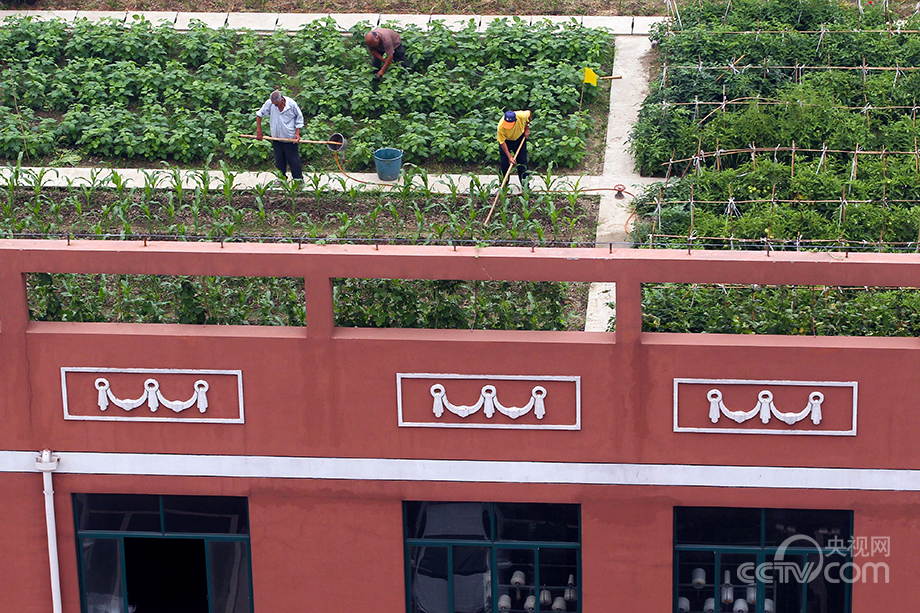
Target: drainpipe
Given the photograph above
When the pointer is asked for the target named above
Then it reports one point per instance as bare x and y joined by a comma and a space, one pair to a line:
48, 463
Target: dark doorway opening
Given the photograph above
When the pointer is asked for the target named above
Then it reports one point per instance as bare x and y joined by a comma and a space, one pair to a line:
166, 575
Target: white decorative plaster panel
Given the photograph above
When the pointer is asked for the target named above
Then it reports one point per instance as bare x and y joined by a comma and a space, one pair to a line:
692, 400
152, 397
118, 401
552, 410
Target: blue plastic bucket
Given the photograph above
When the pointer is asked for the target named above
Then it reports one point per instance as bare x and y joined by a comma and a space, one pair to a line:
388, 162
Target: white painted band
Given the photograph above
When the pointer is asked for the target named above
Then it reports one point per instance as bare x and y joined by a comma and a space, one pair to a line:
471, 471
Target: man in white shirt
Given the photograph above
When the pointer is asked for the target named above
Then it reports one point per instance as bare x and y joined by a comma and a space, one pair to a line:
285, 121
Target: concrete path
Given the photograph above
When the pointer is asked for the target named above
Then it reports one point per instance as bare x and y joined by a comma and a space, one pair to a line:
288, 22
166, 179
614, 217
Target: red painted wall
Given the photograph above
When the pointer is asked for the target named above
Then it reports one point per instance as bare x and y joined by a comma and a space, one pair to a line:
341, 542
321, 391
324, 391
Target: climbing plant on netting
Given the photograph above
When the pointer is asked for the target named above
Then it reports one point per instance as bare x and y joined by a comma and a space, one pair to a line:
782, 125
770, 73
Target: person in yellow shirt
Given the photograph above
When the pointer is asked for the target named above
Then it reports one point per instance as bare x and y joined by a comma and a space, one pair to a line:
514, 126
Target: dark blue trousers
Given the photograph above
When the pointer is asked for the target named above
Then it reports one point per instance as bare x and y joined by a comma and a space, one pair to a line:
288, 154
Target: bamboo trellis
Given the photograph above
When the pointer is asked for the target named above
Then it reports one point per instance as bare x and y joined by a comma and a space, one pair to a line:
735, 68
690, 241
755, 100
891, 31
754, 150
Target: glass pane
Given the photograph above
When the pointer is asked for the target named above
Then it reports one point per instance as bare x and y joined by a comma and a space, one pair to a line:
826, 527
786, 588
472, 580
559, 574
516, 575
827, 592
537, 522
447, 520
695, 581
206, 514
186, 591
717, 526
102, 575
229, 568
117, 512
428, 579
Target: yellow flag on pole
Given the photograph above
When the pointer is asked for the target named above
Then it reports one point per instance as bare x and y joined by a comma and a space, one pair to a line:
590, 77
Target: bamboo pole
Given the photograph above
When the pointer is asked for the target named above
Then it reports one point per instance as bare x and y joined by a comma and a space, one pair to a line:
745, 101
291, 140
699, 67
822, 32
505, 180
708, 154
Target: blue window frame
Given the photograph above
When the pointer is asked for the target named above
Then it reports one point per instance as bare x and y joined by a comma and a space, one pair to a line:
163, 553
761, 560
479, 557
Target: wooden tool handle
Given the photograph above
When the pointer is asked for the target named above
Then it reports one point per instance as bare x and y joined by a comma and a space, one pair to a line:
291, 140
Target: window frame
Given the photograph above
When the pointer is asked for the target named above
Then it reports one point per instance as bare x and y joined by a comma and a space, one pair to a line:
761, 551
119, 537
494, 544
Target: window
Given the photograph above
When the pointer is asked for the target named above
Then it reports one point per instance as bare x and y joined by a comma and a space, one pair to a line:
761, 560
127, 544
477, 557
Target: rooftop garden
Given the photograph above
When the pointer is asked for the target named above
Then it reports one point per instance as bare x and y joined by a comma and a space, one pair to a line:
138, 94
789, 124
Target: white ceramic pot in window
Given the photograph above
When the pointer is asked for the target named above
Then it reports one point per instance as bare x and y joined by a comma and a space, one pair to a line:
683, 604
570, 594
559, 604
741, 606
709, 605
728, 592
504, 602
751, 595
768, 606
546, 598
517, 580
698, 578
530, 604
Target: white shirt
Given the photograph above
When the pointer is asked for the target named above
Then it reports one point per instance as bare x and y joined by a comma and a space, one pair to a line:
283, 123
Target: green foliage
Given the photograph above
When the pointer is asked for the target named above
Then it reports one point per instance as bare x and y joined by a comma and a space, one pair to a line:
735, 202
101, 206
104, 207
484, 305
25, 133
149, 92
278, 301
825, 311
677, 119
273, 301
880, 205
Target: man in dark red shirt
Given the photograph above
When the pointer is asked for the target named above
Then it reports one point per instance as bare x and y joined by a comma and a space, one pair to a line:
385, 47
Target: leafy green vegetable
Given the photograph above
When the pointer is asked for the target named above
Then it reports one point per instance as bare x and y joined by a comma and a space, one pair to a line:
152, 93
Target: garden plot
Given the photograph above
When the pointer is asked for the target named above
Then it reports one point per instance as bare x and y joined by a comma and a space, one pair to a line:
782, 125
279, 301
137, 94
106, 207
